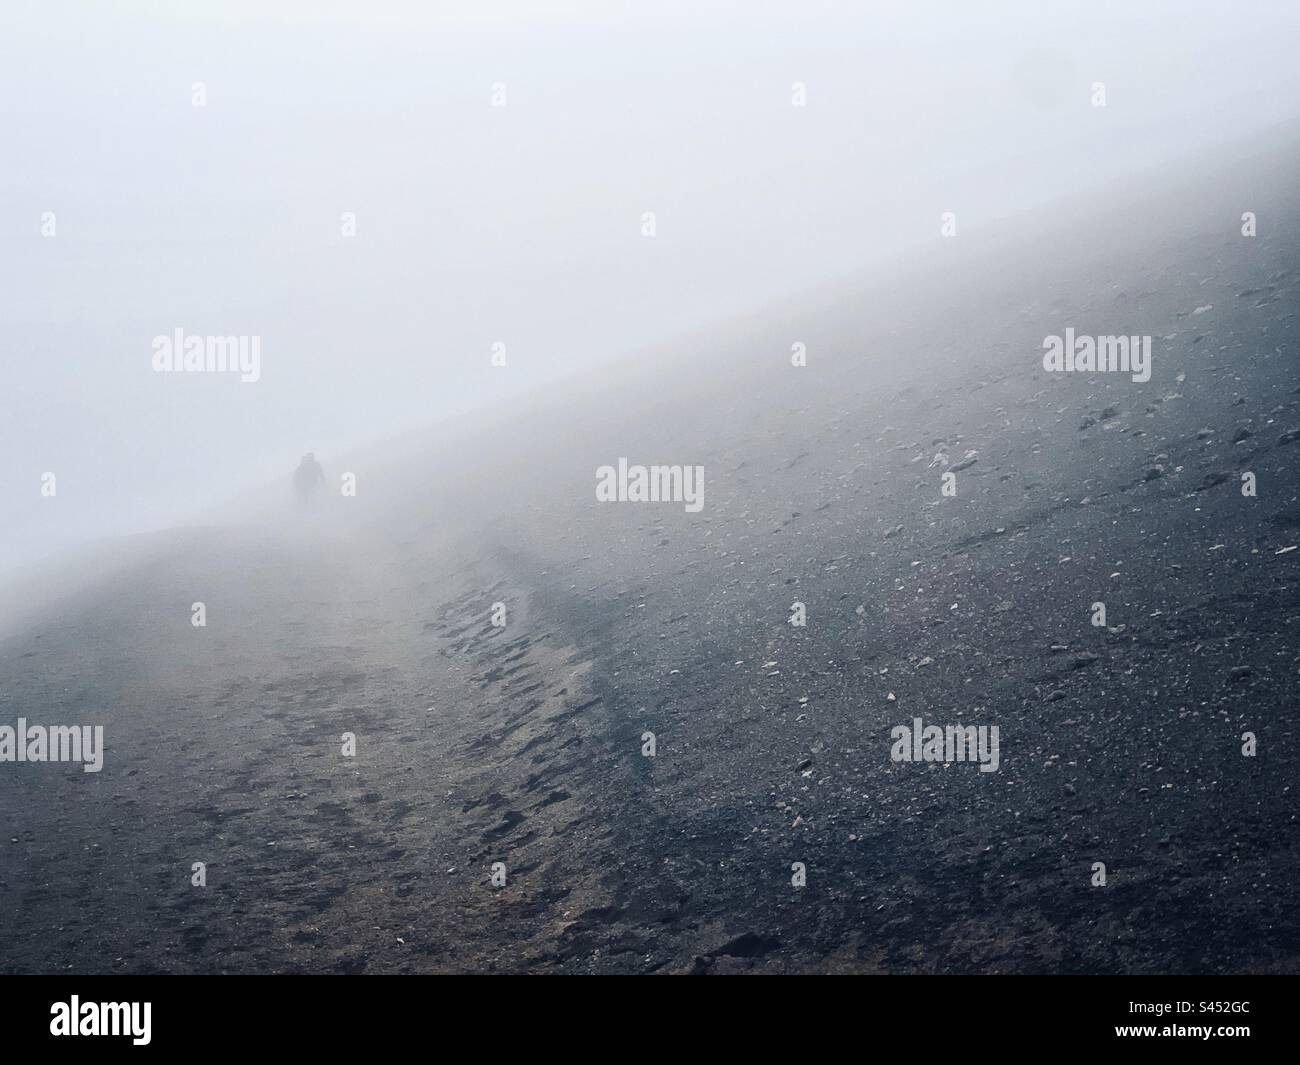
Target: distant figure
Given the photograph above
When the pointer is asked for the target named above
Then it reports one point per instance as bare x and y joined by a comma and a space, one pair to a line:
307, 478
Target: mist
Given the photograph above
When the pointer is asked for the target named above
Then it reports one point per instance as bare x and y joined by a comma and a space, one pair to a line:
130, 212
635, 488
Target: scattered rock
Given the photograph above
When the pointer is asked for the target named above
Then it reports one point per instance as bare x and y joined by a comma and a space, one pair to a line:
748, 945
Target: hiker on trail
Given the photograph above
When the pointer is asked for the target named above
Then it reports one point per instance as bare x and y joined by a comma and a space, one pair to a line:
308, 477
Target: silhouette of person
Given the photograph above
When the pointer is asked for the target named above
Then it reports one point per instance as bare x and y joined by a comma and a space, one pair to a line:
307, 478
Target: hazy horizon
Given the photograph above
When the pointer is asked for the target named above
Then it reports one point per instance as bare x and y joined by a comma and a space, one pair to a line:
520, 224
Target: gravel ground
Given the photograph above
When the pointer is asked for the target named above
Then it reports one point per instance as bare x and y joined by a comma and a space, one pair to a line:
523, 744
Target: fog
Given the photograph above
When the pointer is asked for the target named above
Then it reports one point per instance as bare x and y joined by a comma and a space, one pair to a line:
127, 212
